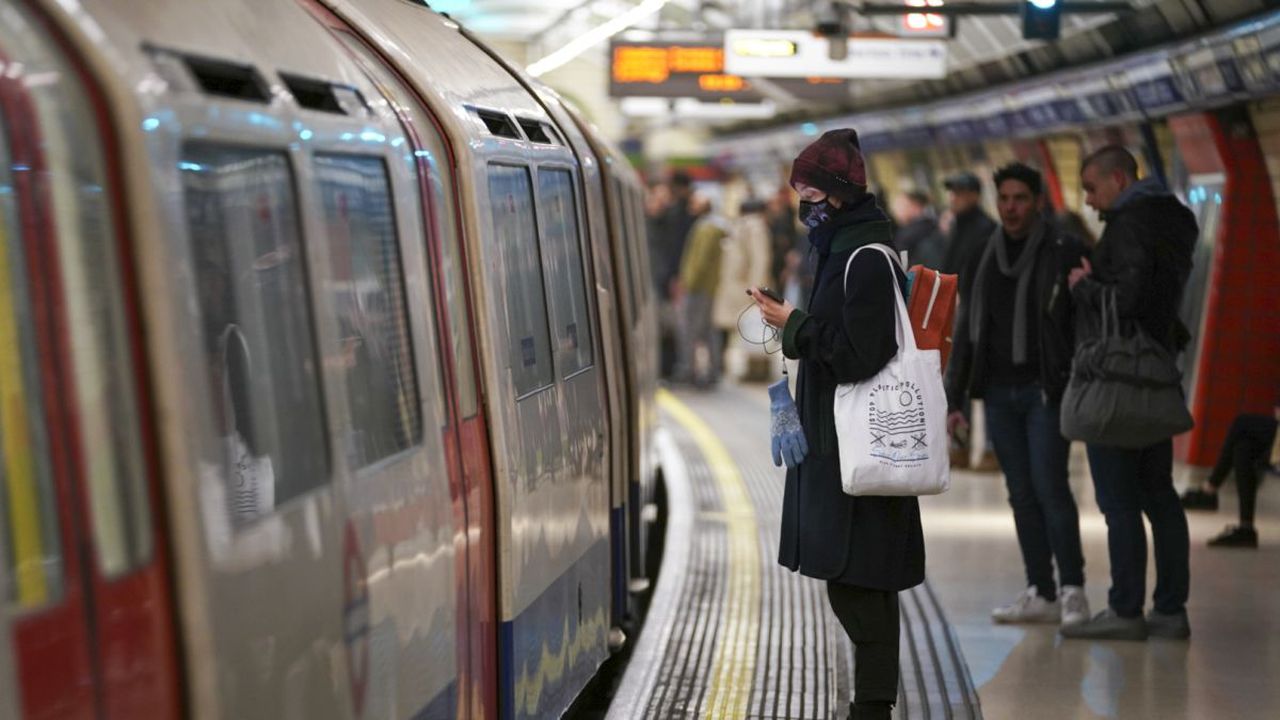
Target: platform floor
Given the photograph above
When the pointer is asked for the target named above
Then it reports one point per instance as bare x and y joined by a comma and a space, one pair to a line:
733, 635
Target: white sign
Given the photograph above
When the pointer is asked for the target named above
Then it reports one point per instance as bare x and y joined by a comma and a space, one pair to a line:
797, 53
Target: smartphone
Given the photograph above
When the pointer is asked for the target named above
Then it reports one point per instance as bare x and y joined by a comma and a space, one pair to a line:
769, 294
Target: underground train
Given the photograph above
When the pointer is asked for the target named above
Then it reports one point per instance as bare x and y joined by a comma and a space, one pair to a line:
1203, 114
326, 368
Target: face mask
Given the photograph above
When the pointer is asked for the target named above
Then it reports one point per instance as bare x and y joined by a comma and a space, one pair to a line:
814, 215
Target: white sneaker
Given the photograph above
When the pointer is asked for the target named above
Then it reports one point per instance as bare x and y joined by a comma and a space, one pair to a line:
1028, 608
1075, 605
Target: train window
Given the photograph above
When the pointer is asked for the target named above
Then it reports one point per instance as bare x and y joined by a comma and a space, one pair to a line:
255, 315
428, 161
32, 554
368, 295
565, 272
514, 224
641, 271
626, 258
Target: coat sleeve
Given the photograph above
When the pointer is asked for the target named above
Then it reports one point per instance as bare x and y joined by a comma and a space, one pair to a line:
861, 345
1129, 268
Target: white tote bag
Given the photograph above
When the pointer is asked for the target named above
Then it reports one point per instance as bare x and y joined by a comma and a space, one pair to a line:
892, 428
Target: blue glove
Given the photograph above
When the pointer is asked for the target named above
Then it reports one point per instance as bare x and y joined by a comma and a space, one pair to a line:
786, 435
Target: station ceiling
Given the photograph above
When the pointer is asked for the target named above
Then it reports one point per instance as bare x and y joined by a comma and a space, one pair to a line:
984, 50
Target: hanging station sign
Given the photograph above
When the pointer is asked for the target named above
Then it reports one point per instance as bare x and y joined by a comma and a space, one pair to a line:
798, 53
696, 69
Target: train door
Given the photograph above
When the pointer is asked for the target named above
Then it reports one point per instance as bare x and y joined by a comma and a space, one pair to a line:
85, 609
465, 432
1203, 194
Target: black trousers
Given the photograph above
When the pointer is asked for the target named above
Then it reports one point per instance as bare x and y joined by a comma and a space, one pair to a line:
1245, 451
870, 618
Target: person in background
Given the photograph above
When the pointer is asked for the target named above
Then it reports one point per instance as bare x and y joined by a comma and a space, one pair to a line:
1252, 448
918, 231
1143, 259
1014, 351
867, 549
1071, 224
970, 231
671, 218
694, 291
744, 263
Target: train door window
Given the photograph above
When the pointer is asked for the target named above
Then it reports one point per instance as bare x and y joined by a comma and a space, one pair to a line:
622, 221
642, 271
256, 325
367, 288
443, 223
32, 556
514, 224
99, 371
565, 272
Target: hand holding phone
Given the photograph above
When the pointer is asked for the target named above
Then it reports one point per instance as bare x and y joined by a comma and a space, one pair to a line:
769, 294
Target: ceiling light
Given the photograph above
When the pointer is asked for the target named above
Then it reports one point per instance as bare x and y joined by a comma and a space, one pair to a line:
594, 36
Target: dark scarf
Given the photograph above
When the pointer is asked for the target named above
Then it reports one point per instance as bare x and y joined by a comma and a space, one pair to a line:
863, 211
1022, 270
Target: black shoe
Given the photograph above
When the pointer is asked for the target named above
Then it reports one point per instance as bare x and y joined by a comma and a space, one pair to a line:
1199, 500
1172, 627
1236, 536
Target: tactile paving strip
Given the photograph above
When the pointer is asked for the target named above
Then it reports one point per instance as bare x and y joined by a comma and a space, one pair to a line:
801, 667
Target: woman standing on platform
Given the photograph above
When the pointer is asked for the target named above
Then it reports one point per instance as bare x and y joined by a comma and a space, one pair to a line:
866, 548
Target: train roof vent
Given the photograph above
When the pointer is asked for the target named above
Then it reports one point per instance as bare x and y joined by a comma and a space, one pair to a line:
322, 95
227, 79
499, 124
538, 132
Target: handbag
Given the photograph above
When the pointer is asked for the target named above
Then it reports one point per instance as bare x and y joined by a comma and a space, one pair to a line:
1125, 390
891, 429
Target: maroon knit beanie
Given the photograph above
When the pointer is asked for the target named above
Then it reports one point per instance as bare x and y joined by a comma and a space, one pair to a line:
833, 164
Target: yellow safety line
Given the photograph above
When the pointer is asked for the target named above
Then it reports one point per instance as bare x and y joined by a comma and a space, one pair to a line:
737, 638
19, 464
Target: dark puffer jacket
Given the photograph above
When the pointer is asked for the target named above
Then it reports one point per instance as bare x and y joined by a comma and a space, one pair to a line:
1145, 256
871, 542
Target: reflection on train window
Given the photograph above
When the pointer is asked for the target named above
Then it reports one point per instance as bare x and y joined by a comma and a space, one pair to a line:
32, 554
367, 290
445, 216
642, 272
256, 322
625, 255
511, 199
564, 265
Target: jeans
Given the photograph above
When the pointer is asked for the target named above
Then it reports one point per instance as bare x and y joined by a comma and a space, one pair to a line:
870, 618
1128, 484
1245, 451
1033, 455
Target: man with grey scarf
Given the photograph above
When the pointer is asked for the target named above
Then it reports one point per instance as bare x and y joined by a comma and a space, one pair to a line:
1012, 348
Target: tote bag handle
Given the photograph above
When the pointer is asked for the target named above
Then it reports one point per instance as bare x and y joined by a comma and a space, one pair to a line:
905, 336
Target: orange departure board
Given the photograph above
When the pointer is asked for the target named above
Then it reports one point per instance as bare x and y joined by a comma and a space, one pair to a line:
696, 70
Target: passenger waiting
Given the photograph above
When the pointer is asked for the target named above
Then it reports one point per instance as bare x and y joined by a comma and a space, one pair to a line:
1142, 261
866, 548
744, 262
971, 228
1252, 448
918, 232
694, 292
1013, 349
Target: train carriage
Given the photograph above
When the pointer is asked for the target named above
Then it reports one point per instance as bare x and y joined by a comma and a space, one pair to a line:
323, 397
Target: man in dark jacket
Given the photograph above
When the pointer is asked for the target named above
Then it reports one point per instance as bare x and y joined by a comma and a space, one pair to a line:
866, 548
971, 228
1144, 258
918, 232
1013, 349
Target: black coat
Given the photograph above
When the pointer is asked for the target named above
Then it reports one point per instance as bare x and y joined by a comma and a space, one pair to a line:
969, 235
1144, 254
871, 542
1055, 326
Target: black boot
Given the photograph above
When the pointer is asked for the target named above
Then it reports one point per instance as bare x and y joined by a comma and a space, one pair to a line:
871, 711
1236, 536
1197, 499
